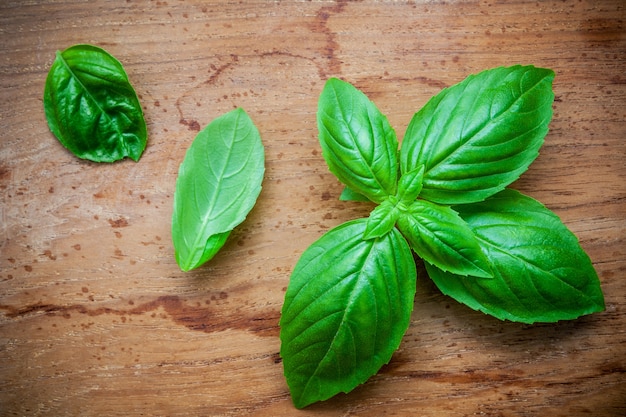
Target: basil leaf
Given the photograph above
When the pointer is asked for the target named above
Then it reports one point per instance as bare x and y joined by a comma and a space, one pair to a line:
348, 195
410, 185
218, 184
382, 219
440, 237
358, 144
541, 274
478, 136
91, 107
347, 307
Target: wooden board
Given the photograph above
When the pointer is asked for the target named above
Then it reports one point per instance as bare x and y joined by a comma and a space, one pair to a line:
97, 319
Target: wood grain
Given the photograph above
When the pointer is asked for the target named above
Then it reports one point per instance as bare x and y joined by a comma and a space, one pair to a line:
96, 318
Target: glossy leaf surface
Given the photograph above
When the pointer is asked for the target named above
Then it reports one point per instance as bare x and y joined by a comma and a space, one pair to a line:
410, 185
218, 184
478, 136
91, 106
347, 306
349, 195
382, 219
541, 274
440, 237
358, 144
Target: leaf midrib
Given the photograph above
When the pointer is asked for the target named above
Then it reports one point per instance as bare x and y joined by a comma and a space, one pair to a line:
345, 120
529, 265
351, 298
206, 217
93, 99
491, 120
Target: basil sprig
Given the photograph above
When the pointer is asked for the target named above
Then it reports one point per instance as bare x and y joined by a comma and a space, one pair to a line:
218, 184
443, 195
91, 107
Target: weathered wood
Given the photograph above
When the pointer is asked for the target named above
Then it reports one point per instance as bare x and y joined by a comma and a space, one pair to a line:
95, 316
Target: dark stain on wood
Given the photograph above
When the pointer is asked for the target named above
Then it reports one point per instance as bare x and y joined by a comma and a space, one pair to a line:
331, 46
121, 222
193, 125
194, 317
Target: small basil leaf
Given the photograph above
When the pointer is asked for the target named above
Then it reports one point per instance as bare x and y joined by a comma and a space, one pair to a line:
358, 144
348, 195
382, 219
440, 237
478, 136
218, 184
541, 274
410, 185
347, 307
91, 107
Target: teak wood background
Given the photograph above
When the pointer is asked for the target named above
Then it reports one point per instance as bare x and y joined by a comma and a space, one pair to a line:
97, 320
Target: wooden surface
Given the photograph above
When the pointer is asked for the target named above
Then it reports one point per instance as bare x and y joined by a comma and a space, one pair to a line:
95, 317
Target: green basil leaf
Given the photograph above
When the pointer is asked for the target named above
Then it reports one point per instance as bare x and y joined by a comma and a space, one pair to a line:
382, 219
218, 184
347, 307
478, 136
541, 274
410, 185
91, 107
440, 237
358, 144
349, 195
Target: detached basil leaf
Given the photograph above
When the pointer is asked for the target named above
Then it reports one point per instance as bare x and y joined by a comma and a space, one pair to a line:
358, 144
541, 274
347, 306
440, 237
91, 107
478, 136
217, 186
